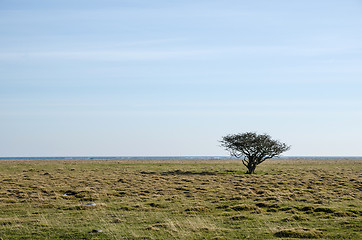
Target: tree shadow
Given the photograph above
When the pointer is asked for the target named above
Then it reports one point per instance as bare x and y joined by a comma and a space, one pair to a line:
180, 172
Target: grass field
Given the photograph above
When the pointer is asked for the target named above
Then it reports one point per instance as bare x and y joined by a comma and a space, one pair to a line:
180, 199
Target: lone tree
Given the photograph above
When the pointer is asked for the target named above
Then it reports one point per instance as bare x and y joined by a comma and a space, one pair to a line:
253, 148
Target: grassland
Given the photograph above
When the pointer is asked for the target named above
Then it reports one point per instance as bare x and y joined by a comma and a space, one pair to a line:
180, 199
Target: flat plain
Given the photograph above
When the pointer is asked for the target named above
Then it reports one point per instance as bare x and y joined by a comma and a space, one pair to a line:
180, 199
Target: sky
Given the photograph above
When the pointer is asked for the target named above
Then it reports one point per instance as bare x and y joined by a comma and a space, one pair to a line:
170, 78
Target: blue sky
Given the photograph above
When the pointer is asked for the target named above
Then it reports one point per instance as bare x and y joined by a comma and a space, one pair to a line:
160, 78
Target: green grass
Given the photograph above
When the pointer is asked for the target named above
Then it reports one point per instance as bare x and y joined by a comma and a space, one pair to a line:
180, 199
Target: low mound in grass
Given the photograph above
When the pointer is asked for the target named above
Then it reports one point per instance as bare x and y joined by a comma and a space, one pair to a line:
299, 233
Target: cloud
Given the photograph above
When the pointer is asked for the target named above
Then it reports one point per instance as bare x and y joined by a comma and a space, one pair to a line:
103, 55
117, 55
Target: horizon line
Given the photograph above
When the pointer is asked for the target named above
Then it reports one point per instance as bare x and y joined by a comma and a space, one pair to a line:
161, 157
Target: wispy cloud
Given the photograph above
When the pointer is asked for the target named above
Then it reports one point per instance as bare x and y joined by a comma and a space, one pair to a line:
160, 54
102, 55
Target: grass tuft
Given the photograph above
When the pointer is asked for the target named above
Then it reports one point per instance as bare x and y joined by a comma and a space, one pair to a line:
299, 233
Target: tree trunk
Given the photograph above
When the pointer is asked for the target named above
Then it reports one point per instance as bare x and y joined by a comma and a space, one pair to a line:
251, 168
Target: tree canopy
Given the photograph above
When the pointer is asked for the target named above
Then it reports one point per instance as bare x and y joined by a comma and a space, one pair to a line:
253, 148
